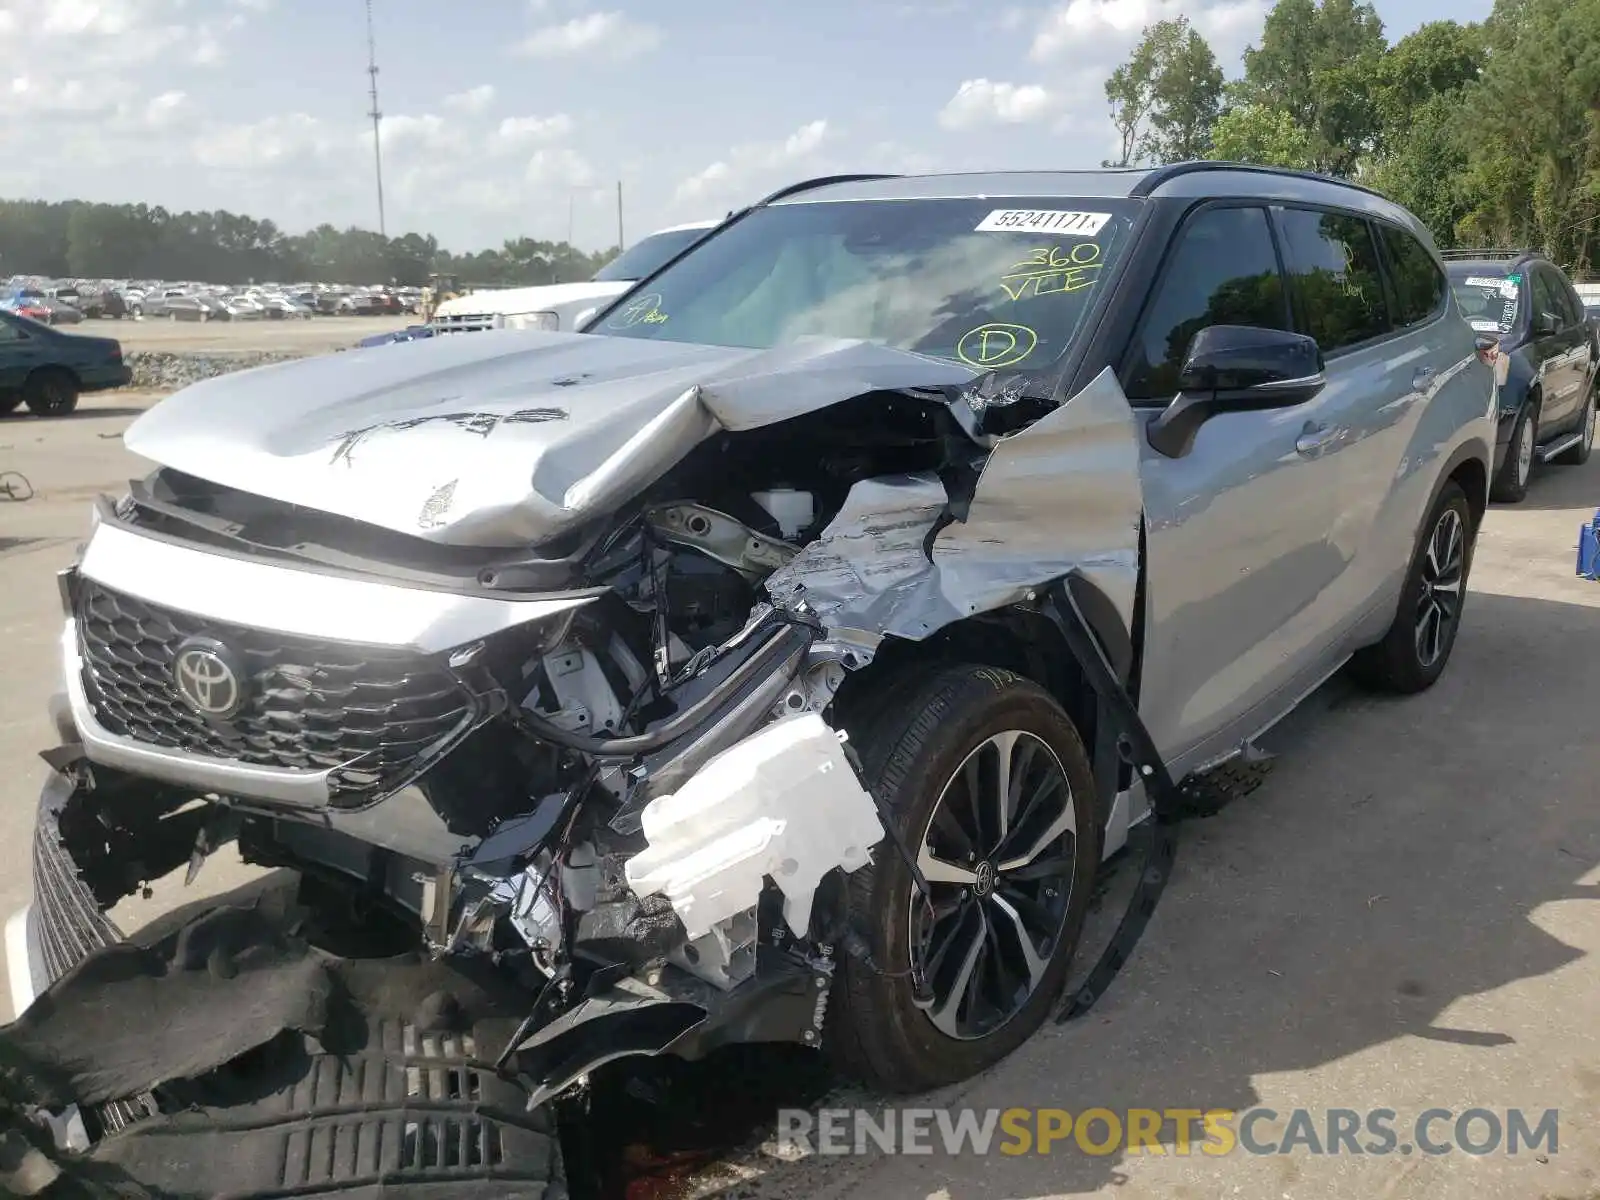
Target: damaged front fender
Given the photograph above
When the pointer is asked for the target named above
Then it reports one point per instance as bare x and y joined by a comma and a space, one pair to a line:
1062, 496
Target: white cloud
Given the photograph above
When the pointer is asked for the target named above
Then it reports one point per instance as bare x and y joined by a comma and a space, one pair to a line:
748, 164
429, 132
610, 35
473, 100
75, 18
272, 141
979, 102
1082, 41
1100, 30
160, 110
36, 97
516, 132
559, 167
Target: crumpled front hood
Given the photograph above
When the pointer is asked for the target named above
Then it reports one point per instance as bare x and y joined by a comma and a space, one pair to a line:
499, 438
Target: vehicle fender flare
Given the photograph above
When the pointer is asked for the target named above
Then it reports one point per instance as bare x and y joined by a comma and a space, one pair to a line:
1520, 388
1474, 449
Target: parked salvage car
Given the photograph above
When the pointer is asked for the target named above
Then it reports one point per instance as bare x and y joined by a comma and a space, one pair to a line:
563, 305
1548, 397
107, 302
59, 312
410, 333
185, 308
279, 308
544, 644
47, 370
38, 307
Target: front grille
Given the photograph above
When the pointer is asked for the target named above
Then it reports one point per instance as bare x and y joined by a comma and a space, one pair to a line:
310, 705
466, 323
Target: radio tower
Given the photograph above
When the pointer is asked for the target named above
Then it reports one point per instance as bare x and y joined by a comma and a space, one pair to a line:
377, 117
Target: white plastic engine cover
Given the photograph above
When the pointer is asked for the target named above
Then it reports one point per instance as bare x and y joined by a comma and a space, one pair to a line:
783, 803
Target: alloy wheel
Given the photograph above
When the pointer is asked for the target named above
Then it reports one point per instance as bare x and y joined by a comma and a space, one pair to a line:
998, 855
1443, 574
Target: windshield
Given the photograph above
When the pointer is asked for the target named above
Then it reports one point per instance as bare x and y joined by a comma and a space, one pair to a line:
641, 258
1487, 297
990, 284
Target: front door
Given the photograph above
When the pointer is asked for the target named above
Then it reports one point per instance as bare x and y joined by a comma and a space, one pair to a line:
1237, 542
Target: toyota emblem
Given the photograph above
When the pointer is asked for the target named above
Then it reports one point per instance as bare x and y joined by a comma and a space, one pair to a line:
208, 678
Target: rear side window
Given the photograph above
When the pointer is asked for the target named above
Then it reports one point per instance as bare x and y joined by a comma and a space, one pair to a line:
1546, 299
1571, 310
1333, 269
1418, 282
1223, 270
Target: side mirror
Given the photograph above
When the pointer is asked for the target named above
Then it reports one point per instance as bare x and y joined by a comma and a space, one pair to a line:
583, 318
1237, 368
1544, 324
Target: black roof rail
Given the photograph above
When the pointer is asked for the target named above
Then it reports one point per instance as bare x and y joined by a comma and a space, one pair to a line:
1469, 254
820, 181
1160, 175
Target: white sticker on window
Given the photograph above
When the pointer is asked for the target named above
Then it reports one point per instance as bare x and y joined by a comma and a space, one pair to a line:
1485, 326
1043, 220
1485, 281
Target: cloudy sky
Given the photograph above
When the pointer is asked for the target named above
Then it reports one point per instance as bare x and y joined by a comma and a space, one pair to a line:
502, 117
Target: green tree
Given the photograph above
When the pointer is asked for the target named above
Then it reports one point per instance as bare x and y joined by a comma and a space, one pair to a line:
125, 241
1186, 98
1129, 91
1259, 133
1440, 58
1424, 167
1165, 98
1318, 64
1534, 143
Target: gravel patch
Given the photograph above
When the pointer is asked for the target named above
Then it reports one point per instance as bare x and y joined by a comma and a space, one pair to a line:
169, 371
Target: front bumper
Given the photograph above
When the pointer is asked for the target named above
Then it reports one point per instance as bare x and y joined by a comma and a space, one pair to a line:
106, 378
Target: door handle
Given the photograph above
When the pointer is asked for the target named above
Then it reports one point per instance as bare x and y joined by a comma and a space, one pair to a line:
1314, 439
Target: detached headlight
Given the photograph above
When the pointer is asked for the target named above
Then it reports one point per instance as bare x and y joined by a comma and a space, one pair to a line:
538, 320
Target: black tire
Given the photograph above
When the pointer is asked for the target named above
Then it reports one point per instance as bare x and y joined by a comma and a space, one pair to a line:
919, 734
1579, 454
1402, 661
51, 392
1511, 481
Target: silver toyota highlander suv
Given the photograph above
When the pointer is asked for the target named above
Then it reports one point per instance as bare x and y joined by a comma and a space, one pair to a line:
779, 660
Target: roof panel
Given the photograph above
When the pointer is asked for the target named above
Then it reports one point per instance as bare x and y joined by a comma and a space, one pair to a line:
976, 185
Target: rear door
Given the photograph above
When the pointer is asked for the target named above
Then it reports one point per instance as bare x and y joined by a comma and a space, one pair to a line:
1582, 356
1562, 356
1380, 376
1237, 530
